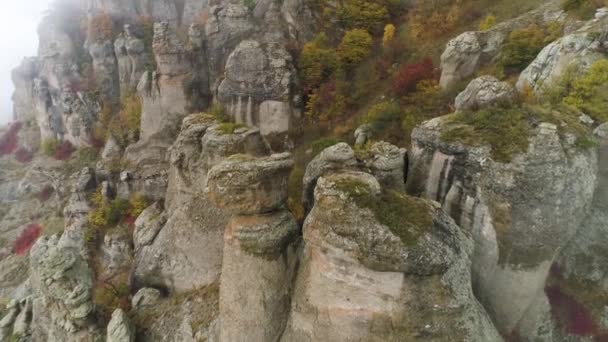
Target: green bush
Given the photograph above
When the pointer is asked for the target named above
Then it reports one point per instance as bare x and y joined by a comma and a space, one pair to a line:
317, 62
218, 112
523, 45
382, 115
363, 14
505, 130
107, 213
319, 145
230, 127
49, 146
354, 48
249, 4
487, 23
589, 92
584, 9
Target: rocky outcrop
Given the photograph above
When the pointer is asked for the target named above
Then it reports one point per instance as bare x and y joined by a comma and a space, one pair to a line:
521, 213
485, 91
467, 53
243, 185
259, 251
63, 283
105, 69
577, 51
180, 248
23, 78
228, 23
163, 93
17, 320
577, 284
145, 297
365, 278
385, 161
334, 158
258, 86
131, 59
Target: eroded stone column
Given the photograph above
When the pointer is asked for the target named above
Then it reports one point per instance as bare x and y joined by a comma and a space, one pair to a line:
259, 246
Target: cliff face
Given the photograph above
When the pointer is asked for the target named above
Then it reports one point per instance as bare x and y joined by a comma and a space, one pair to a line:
159, 205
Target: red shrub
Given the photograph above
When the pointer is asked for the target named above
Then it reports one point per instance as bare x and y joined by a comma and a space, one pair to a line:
408, 76
23, 155
45, 194
8, 141
129, 220
574, 317
26, 240
64, 150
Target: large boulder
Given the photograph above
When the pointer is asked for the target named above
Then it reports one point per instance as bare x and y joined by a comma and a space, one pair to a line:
365, 276
120, 328
229, 22
258, 86
245, 185
521, 213
577, 50
334, 158
485, 91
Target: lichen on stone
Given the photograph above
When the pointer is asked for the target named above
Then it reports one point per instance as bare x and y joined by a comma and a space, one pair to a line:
406, 217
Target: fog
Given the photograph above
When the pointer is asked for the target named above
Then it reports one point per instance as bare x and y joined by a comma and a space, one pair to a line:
18, 38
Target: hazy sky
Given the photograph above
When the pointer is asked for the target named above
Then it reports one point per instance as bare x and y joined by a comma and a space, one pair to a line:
18, 22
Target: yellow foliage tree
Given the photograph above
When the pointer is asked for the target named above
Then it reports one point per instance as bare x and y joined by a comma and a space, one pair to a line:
487, 23
354, 48
389, 34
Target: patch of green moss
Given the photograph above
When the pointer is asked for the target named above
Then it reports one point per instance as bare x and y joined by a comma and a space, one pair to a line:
505, 130
405, 216
319, 145
230, 127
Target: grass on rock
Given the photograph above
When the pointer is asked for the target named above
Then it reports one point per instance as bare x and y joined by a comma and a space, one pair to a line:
406, 217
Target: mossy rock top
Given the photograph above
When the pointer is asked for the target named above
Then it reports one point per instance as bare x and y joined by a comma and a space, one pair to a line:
386, 230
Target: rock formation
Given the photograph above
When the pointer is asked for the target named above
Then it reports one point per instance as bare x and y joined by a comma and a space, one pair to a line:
485, 198
577, 50
177, 221
467, 53
259, 250
367, 276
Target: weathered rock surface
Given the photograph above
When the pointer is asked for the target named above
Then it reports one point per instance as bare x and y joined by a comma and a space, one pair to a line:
258, 86
259, 250
164, 95
145, 297
245, 185
485, 91
361, 281
131, 59
387, 163
465, 54
577, 50
520, 213
186, 252
62, 283
335, 158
